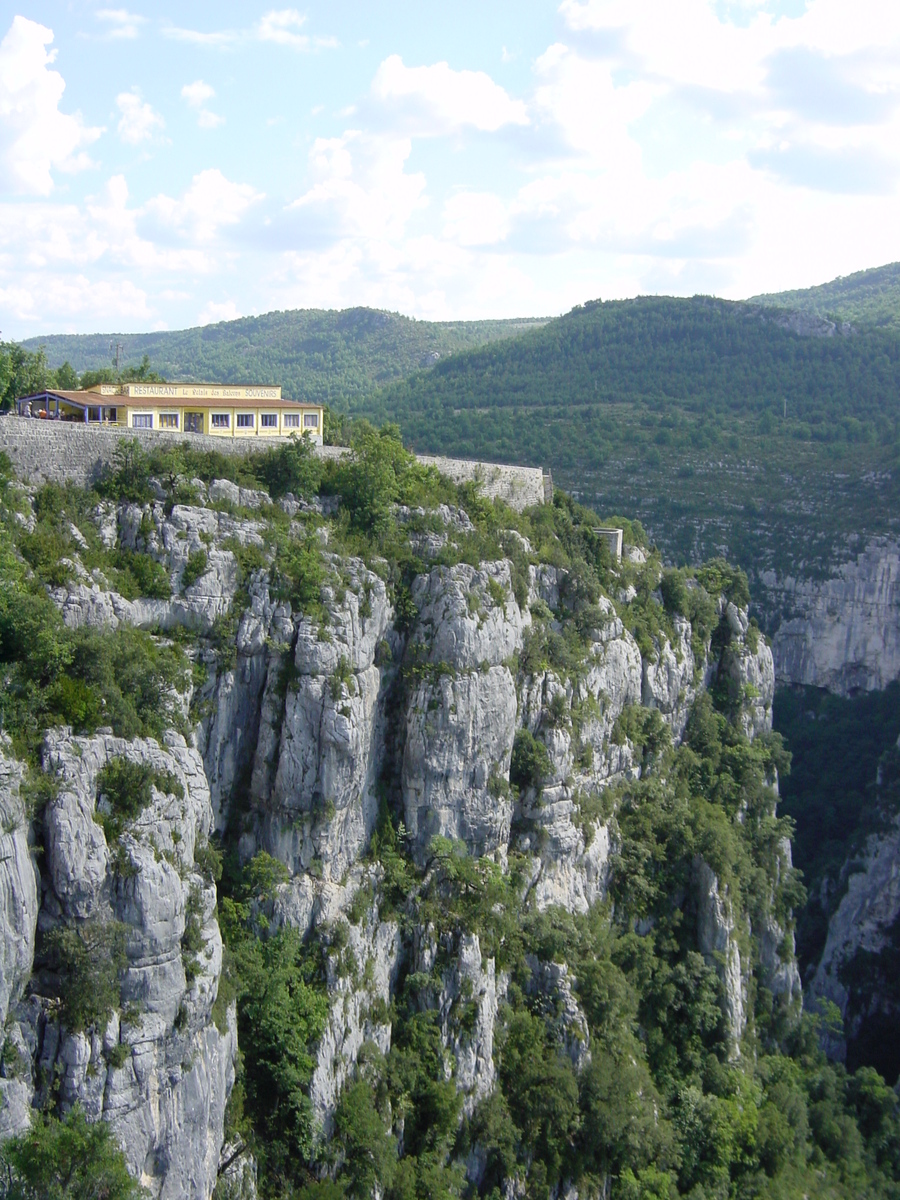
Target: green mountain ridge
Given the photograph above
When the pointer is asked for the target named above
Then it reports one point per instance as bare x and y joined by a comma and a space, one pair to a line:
729, 427
720, 426
315, 354
871, 296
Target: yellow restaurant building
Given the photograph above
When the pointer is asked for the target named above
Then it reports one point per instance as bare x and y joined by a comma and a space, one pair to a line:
221, 410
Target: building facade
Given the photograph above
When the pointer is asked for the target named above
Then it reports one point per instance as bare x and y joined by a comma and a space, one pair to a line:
219, 410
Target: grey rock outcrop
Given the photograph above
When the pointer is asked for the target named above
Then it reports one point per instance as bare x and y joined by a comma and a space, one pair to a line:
360, 979
461, 718
321, 746
19, 892
668, 684
164, 1092
19, 900
842, 633
467, 1002
718, 944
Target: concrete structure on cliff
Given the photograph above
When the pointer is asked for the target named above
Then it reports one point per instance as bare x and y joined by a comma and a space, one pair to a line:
214, 409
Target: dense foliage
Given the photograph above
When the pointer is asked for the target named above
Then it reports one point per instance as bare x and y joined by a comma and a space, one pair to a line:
70, 1159
25, 371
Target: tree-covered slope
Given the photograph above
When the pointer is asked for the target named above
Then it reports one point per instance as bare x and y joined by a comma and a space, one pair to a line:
871, 296
722, 427
315, 354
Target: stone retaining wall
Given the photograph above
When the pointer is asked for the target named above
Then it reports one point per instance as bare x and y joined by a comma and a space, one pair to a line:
60, 451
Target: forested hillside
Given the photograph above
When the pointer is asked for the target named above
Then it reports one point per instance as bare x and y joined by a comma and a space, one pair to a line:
871, 297
720, 426
315, 354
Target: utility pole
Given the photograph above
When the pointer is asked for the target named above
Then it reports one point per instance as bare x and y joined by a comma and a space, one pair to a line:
785, 408
119, 347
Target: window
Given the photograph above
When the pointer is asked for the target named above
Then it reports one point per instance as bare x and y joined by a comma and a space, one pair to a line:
93, 414
168, 420
292, 420
269, 420
142, 420
310, 420
111, 414
245, 420
193, 422
221, 420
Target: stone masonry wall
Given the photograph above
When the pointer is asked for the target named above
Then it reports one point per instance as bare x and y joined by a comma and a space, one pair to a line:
50, 450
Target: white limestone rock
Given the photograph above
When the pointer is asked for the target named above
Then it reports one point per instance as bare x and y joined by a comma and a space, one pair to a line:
843, 633
166, 1102
862, 921
19, 885
717, 942
353, 1018
668, 684
459, 739
320, 803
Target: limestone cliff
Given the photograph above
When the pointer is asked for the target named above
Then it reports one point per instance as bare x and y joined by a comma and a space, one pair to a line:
841, 632
304, 719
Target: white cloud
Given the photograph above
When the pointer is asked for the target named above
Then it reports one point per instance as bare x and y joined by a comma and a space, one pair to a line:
360, 190
124, 24
438, 99
214, 312
211, 203
281, 26
138, 121
198, 37
196, 94
35, 137
475, 219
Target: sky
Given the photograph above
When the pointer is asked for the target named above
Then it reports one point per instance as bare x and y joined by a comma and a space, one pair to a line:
168, 165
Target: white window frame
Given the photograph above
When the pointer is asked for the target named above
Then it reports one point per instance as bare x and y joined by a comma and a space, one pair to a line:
268, 420
291, 421
142, 420
220, 421
245, 421
311, 420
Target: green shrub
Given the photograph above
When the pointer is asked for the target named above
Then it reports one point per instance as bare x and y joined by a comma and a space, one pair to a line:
530, 765
194, 568
66, 1159
88, 959
294, 467
139, 575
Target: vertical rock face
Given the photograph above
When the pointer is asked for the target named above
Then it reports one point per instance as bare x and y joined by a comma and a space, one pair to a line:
321, 746
161, 1071
359, 1003
18, 886
841, 633
668, 684
716, 938
19, 900
461, 717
